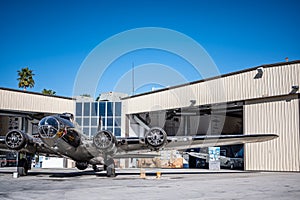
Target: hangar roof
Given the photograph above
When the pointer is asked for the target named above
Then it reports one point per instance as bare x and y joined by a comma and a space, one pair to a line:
36, 93
216, 77
19, 101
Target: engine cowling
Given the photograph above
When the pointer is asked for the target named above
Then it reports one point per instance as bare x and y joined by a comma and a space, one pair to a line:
16, 139
155, 138
105, 141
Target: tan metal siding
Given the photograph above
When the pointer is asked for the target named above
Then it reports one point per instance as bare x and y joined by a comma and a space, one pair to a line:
276, 80
18, 101
279, 116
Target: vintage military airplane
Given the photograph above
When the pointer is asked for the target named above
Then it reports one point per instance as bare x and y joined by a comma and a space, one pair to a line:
59, 136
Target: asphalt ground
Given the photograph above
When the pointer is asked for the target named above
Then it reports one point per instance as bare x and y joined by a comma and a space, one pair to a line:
184, 184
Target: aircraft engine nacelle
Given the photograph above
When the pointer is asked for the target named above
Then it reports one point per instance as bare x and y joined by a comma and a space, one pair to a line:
105, 141
16, 139
155, 138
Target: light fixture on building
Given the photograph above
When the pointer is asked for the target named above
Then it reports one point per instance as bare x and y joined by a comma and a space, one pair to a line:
260, 70
295, 89
259, 74
193, 102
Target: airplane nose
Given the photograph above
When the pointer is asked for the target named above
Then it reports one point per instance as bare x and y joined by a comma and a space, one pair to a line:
48, 127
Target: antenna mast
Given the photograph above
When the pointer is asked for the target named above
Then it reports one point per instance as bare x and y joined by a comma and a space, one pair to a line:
132, 78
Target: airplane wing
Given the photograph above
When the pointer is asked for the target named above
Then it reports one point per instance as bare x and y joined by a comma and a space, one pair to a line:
186, 142
181, 143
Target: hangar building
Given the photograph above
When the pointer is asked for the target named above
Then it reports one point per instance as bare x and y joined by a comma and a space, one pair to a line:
263, 99
20, 109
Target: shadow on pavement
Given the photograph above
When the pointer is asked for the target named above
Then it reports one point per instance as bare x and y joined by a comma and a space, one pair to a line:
65, 174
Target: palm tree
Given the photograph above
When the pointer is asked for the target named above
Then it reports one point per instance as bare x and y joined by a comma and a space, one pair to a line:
25, 78
48, 92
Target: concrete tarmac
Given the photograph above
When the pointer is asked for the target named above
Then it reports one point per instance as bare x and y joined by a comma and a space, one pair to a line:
69, 184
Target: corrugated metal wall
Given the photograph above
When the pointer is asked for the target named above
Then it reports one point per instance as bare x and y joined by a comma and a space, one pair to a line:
19, 101
270, 114
276, 80
279, 116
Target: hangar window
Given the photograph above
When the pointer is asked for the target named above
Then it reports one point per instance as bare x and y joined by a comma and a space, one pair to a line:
86, 131
86, 121
78, 109
94, 111
93, 131
117, 132
118, 109
103, 122
89, 113
94, 121
86, 109
109, 121
118, 121
78, 120
102, 108
109, 108
110, 129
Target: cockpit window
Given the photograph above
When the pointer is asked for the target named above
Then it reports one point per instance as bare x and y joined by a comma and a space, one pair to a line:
48, 127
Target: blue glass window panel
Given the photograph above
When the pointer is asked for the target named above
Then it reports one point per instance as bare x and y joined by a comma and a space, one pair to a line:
94, 111
110, 121
117, 121
117, 131
103, 122
86, 131
102, 109
118, 108
110, 129
109, 109
78, 109
94, 121
86, 121
93, 131
86, 111
78, 120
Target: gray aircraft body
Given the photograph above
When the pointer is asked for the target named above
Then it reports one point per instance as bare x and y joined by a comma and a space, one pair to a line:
59, 136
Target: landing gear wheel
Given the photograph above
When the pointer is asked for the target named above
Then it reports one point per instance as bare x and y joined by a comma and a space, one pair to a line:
109, 165
81, 165
231, 166
22, 167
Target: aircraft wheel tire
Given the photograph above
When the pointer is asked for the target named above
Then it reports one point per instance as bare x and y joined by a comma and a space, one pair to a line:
111, 172
22, 167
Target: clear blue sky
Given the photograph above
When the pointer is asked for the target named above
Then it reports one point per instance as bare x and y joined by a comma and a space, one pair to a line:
53, 37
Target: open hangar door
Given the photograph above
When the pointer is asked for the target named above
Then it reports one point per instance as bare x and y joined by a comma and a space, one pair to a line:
226, 119
25, 121
17, 120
